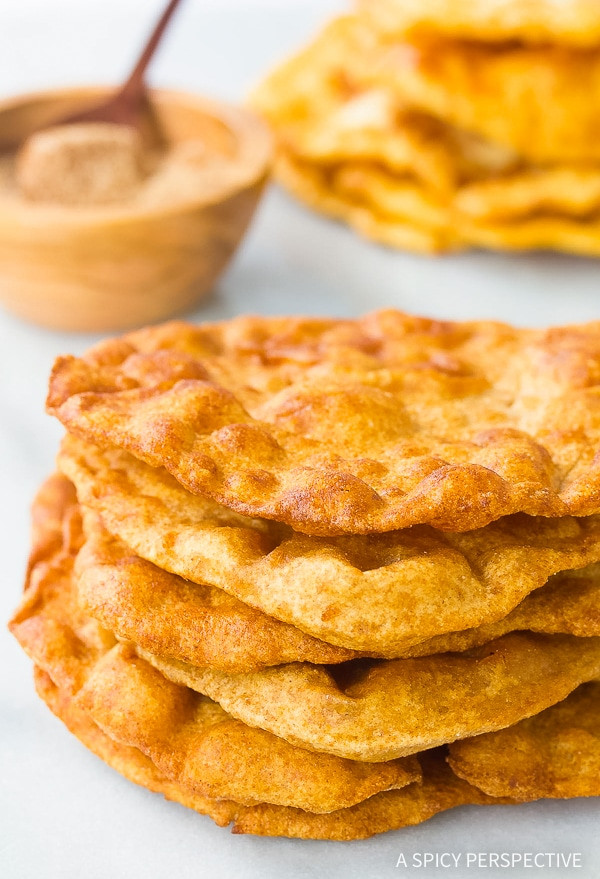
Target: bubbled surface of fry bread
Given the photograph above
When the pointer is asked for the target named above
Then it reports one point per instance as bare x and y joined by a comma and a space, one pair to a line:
357, 426
576, 22
381, 594
376, 712
554, 754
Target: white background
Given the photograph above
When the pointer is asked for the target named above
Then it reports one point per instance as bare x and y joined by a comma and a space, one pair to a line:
63, 814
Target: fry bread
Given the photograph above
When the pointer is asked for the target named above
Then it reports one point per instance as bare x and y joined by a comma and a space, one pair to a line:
569, 603
554, 754
312, 185
335, 102
369, 206
190, 738
575, 23
380, 594
406, 144
376, 712
539, 102
352, 426
195, 623
390, 810
558, 193
127, 761
193, 741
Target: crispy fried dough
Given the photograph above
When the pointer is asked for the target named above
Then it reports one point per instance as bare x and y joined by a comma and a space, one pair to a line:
380, 594
538, 233
431, 114
540, 102
330, 105
49, 623
350, 95
312, 186
194, 742
356, 426
189, 621
569, 604
127, 761
191, 739
576, 22
55, 521
557, 193
440, 790
554, 754
369, 151
364, 208
376, 712
386, 811
400, 199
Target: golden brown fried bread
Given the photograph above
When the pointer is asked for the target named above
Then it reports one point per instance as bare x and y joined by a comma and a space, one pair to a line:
358, 426
313, 186
379, 711
440, 790
540, 102
537, 103
561, 193
554, 754
406, 143
538, 233
196, 623
190, 738
382, 594
49, 623
194, 742
569, 603
358, 116
390, 810
55, 521
401, 213
558, 192
576, 22
127, 761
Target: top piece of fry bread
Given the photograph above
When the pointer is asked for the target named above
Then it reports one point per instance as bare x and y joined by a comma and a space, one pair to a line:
352, 426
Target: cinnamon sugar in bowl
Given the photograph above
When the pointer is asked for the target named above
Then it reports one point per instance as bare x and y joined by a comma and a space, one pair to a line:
104, 228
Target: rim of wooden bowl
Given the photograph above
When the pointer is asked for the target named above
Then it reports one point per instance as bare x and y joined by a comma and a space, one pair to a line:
252, 159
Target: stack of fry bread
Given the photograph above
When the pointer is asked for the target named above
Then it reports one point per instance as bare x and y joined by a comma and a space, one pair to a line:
326, 578
440, 125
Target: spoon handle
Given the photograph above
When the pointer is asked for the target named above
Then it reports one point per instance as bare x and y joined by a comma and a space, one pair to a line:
135, 82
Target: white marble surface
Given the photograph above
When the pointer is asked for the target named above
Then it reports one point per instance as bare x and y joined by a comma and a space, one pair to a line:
63, 814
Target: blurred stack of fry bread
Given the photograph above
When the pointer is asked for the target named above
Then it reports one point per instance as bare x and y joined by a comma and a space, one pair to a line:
446, 124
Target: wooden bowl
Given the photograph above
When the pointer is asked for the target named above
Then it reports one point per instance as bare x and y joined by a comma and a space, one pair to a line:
115, 267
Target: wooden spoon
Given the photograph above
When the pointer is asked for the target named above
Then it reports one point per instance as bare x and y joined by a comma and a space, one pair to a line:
125, 106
